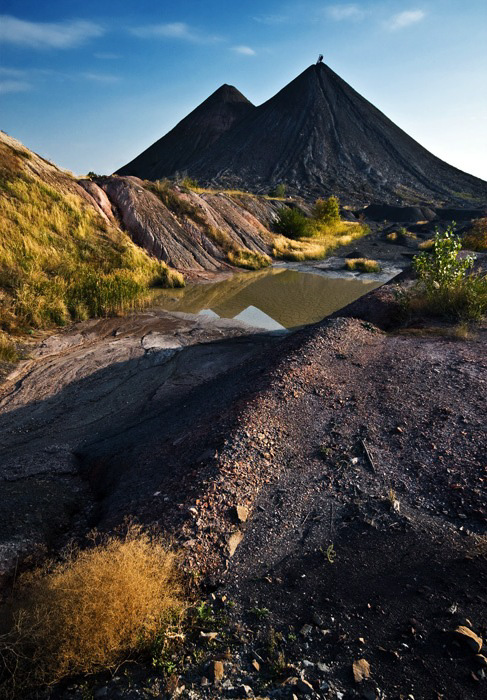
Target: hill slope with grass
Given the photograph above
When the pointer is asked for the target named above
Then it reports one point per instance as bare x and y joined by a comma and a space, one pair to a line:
62, 255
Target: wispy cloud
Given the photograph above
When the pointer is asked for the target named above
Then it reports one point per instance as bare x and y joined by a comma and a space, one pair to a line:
43, 35
270, 19
174, 30
12, 72
341, 13
244, 50
405, 19
14, 86
100, 77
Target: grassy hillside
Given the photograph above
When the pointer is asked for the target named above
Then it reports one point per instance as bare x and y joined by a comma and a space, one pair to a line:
59, 259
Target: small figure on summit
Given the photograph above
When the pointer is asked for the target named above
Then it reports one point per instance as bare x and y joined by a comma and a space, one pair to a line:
320, 59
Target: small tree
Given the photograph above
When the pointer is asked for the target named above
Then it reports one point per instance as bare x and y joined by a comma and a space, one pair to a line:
327, 211
279, 190
292, 223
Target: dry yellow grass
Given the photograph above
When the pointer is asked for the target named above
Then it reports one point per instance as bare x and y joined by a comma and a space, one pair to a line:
91, 611
325, 239
8, 350
362, 265
61, 261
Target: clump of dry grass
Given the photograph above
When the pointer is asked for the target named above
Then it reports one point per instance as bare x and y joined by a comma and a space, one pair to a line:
249, 259
362, 265
92, 611
8, 350
287, 249
427, 245
476, 238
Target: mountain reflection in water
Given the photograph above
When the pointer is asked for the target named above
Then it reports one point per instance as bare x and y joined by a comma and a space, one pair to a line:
273, 299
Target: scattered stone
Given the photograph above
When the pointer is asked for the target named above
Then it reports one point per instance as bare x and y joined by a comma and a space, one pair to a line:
233, 542
242, 513
323, 668
247, 691
204, 681
256, 665
101, 693
308, 664
469, 638
305, 630
218, 671
361, 670
208, 636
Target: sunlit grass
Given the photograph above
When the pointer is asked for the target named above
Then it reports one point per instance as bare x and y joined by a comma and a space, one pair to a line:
60, 261
324, 240
362, 265
89, 612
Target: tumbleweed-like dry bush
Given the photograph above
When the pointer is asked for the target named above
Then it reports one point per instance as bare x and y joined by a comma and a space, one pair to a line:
95, 609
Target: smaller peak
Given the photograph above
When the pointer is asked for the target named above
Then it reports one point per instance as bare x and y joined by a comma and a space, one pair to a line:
227, 93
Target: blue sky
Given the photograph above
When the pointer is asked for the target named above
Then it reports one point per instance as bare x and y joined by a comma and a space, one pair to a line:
91, 84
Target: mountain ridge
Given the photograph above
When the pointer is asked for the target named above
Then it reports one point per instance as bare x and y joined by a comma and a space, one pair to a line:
319, 136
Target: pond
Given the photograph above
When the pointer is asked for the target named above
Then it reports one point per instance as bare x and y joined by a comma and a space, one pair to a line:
273, 299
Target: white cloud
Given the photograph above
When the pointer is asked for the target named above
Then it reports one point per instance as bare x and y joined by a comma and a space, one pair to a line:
100, 77
244, 50
345, 12
405, 19
173, 30
14, 86
42, 35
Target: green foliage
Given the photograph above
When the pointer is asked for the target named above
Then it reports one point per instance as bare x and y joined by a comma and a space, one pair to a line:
279, 190
292, 223
188, 182
327, 211
92, 176
442, 269
445, 286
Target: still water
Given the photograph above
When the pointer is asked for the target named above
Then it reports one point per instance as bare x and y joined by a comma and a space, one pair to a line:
274, 299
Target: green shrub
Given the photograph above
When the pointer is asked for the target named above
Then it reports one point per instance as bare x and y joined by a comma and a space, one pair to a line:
445, 286
327, 211
279, 190
292, 223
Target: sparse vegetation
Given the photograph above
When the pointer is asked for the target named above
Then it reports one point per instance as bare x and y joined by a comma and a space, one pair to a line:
445, 286
164, 189
476, 238
91, 611
401, 236
426, 245
362, 265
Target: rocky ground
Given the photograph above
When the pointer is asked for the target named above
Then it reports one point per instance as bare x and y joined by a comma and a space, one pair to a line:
337, 513
329, 498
